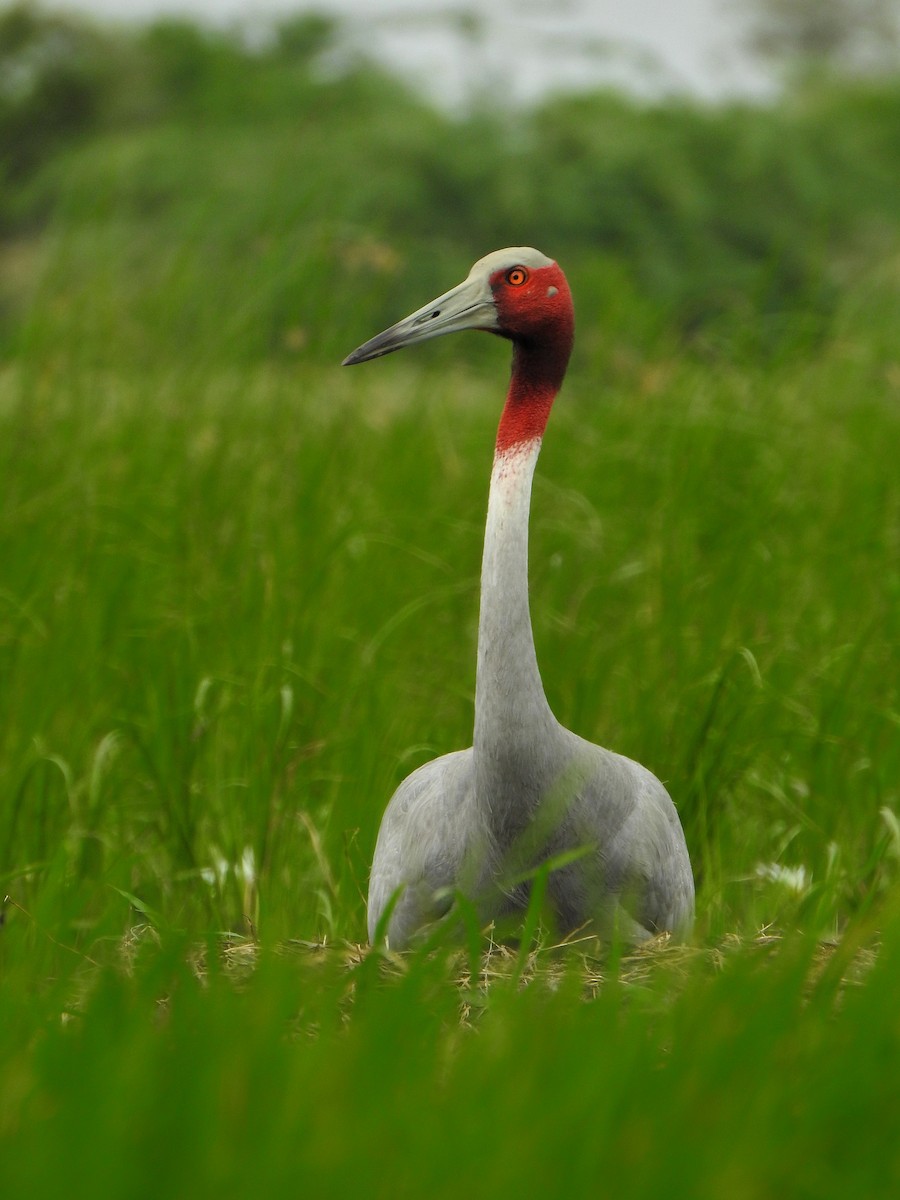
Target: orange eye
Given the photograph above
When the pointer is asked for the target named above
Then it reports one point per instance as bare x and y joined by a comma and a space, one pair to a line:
516, 276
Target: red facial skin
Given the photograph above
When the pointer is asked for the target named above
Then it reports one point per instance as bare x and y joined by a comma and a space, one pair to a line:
538, 317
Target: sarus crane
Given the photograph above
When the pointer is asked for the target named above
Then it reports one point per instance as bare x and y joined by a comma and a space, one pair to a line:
480, 824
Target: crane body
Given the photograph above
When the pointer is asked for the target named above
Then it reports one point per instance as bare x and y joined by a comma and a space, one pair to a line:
480, 821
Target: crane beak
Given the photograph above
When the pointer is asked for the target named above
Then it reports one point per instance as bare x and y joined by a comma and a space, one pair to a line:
468, 306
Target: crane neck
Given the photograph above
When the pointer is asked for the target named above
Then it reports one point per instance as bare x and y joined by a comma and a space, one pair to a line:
511, 710
510, 704
538, 370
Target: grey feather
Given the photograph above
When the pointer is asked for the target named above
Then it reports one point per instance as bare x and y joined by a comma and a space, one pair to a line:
435, 838
479, 822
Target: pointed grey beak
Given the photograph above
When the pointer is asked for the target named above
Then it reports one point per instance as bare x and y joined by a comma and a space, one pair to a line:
468, 306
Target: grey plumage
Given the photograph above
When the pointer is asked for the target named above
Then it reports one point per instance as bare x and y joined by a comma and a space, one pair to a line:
480, 822
435, 837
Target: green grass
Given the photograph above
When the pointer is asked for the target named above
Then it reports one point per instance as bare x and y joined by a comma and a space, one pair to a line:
232, 599
238, 603
238, 606
697, 1080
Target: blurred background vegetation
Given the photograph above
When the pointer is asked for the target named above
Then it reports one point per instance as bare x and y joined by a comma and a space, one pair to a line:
173, 154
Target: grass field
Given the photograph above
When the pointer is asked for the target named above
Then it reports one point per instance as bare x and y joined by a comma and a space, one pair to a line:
238, 602
237, 607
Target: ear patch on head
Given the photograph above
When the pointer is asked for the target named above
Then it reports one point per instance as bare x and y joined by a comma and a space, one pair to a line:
552, 291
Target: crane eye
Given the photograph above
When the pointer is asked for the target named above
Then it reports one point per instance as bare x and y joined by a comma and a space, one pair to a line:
516, 276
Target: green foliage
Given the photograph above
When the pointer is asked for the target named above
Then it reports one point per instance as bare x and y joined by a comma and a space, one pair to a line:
728, 230
261, 586
750, 1078
54, 73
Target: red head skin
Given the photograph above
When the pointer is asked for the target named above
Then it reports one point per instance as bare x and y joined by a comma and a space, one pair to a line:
536, 314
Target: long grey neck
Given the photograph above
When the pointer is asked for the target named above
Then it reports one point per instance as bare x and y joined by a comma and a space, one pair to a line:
512, 716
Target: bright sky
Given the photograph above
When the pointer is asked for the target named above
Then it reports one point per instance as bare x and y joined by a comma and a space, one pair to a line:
691, 45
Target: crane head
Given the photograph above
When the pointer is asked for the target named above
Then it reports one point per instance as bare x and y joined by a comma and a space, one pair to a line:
517, 293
